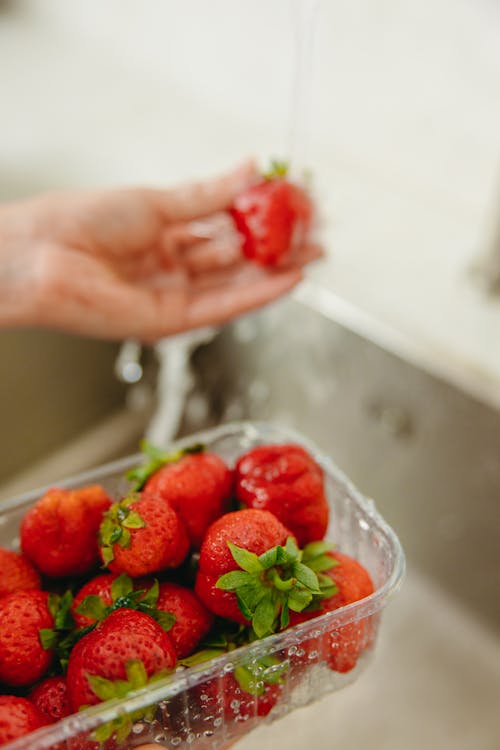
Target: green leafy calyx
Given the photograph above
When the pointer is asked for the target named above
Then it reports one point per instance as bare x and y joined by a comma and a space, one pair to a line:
124, 595
156, 458
116, 525
106, 690
285, 578
278, 169
61, 637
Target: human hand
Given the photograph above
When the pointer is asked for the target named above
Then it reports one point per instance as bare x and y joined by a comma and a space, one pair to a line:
133, 263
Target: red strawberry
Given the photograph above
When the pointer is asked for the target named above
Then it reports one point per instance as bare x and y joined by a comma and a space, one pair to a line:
240, 702
18, 716
192, 619
342, 647
84, 741
16, 573
109, 652
59, 534
250, 691
273, 217
51, 699
198, 487
250, 570
99, 586
23, 659
142, 534
287, 481
106, 593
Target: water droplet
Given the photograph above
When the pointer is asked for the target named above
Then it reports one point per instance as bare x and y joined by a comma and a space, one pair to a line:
218, 721
208, 733
175, 741
190, 738
204, 697
292, 650
235, 705
313, 655
228, 667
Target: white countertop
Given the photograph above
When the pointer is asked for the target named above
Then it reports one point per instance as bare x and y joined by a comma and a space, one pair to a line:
404, 137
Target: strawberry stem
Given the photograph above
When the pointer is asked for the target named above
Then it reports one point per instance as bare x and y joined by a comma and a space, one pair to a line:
156, 459
277, 169
281, 579
279, 583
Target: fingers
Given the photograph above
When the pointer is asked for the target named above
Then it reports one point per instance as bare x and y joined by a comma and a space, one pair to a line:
198, 199
203, 244
308, 254
213, 256
222, 303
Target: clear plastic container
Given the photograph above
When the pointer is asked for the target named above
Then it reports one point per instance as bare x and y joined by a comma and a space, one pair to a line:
203, 706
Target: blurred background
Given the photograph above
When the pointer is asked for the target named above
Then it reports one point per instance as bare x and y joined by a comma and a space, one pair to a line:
391, 347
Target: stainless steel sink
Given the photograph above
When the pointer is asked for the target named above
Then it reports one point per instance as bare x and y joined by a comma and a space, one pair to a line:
426, 452
52, 388
430, 457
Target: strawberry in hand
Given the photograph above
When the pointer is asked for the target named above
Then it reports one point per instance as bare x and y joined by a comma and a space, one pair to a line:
273, 217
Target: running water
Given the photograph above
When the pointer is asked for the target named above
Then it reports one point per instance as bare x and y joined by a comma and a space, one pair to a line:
305, 15
174, 354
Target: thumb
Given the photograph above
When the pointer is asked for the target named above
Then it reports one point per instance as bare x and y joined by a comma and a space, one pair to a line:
201, 198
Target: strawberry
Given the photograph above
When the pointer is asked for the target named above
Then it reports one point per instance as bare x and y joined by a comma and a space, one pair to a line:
342, 647
105, 662
16, 573
18, 716
251, 690
51, 699
192, 619
198, 486
142, 534
287, 481
238, 692
59, 533
23, 615
273, 216
100, 587
106, 593
250, 570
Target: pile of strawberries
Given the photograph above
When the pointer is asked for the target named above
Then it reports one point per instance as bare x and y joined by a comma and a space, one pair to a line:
197, 560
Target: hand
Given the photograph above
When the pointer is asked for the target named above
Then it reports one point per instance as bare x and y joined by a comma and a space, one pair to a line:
133, 263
